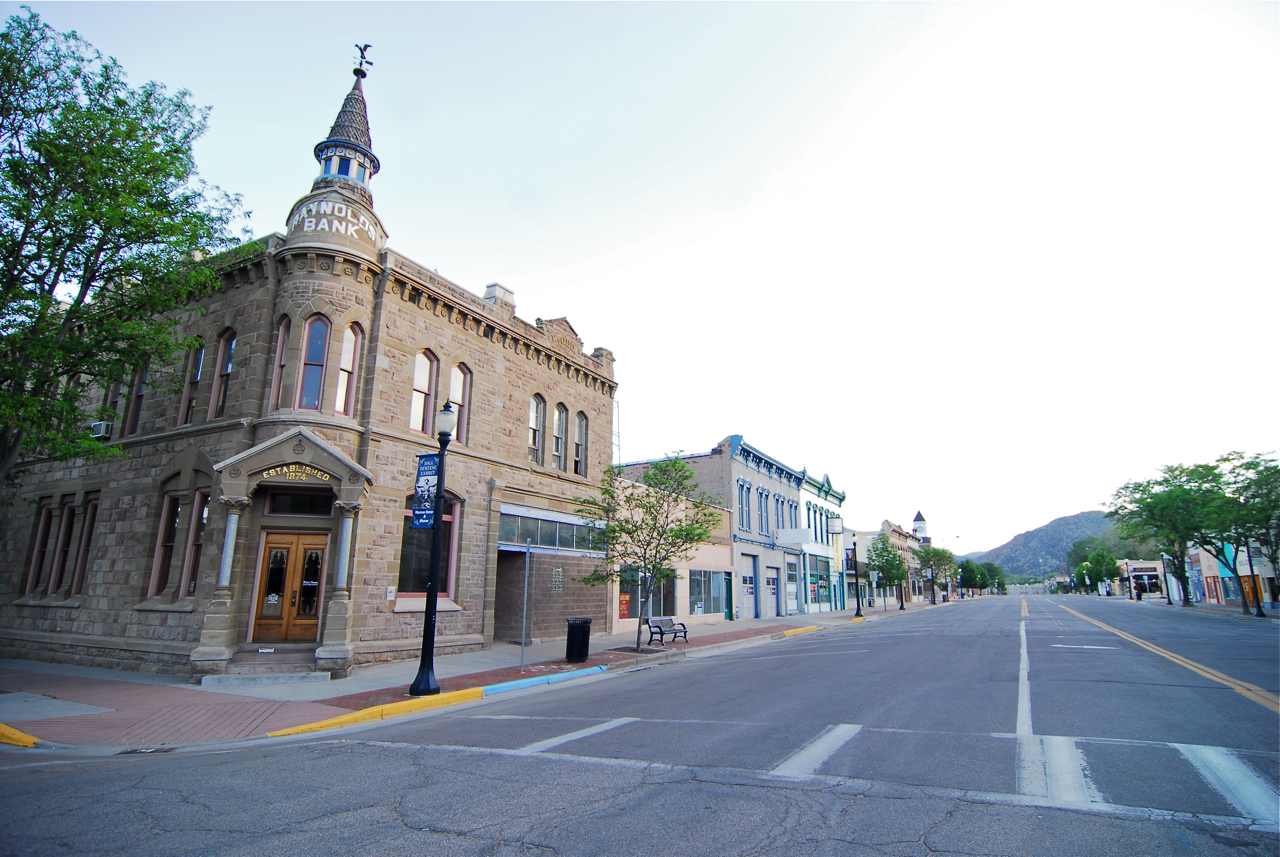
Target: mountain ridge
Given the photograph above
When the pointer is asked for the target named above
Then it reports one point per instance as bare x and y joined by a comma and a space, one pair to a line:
1043, 550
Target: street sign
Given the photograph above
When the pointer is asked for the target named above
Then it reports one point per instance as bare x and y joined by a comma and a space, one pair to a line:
424, 491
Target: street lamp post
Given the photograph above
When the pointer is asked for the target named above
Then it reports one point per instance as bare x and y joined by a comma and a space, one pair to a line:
424, 683
851, 561
933, 589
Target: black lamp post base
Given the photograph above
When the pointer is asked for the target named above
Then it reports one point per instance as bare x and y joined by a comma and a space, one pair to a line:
424, 684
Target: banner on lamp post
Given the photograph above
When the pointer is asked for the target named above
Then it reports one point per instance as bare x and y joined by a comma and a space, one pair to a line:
424, 491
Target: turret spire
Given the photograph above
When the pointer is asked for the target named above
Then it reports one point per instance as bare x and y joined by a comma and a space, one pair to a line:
347, 153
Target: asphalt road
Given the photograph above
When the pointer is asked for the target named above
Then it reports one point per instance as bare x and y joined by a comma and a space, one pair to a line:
985, 727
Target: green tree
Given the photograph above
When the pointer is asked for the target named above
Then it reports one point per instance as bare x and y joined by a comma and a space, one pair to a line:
936, 564
883, 558
1256, 481
647, 528
1082, 578
102, 220
1167, 513
972, 574
995, 577
1115, 543
1226, 523
1102, 566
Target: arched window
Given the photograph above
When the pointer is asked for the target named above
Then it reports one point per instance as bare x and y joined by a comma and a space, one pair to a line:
559, 438
277, 370
190, 385
580, 446
222, 380
422, 399
315, 344
344, 401
537, 428
460, 398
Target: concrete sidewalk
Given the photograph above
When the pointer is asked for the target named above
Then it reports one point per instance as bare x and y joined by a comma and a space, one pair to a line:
87, 706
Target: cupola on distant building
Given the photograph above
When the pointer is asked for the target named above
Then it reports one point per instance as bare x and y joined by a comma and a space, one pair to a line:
260, 521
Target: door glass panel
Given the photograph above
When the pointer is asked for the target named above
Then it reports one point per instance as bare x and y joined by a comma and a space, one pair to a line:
277, 565
308, 599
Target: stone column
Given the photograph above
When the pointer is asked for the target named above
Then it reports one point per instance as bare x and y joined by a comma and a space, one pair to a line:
335, 652
217, 637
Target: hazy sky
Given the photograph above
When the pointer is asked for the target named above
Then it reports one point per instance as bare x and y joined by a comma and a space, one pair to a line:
988, 261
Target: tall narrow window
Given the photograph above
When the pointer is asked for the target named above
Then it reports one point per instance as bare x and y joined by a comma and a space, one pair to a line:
63, 550
86, 542
168, 535
559, 439
764, 512
580, 446
344, 399
746, 506
277, 365
222, 380
195, 543
415, 552
313, 354
190, 385
422, 401
537, 428
460, 398
44, 521
137, 392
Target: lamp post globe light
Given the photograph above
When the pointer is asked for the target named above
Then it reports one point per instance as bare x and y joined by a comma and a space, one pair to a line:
424, 683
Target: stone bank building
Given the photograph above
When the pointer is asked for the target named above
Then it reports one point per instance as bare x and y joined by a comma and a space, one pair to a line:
261, 520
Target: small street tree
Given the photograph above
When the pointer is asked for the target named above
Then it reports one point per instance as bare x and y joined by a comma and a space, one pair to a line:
103, 221
647, 528
1102, 567
1256, 481
883, 559
936, 564
995, 576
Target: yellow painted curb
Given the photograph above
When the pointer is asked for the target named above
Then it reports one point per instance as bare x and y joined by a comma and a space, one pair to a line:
858, 619
9, 735
1250, 691
381, 712
803, 630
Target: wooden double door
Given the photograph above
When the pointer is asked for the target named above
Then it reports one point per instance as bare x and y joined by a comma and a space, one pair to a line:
289, 585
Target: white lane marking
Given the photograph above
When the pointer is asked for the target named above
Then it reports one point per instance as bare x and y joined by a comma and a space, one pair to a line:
1063, 646
806, 761
1248, 793
1024, 684
1064, 772
549, 743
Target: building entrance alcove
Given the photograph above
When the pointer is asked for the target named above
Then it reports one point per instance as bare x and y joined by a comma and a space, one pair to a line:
290, 580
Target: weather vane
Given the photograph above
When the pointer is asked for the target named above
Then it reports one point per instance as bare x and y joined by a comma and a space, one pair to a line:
364, 60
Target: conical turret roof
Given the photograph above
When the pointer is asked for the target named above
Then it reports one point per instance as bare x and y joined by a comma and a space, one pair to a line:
352, 124
919, 517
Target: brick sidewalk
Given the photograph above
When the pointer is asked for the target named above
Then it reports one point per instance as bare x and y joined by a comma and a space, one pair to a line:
148, 715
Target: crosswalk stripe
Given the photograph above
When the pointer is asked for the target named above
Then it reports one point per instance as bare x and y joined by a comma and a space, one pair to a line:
1247, 792
806, 761
550, 743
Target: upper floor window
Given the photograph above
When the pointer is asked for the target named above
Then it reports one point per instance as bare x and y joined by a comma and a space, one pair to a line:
222, 381
344, 399
460, 399
744, 505
780, 512
537, 428
580, 446
316, 343
137, 393
422, 399
763, 497
794, 507
277, 365
559, 439
190, 385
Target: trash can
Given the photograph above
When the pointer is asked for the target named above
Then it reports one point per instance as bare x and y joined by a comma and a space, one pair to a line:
578, 647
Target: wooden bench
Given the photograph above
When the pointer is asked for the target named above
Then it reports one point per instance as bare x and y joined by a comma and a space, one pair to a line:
663, 628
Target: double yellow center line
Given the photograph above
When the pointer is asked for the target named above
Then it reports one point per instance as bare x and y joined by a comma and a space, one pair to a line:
1257, 694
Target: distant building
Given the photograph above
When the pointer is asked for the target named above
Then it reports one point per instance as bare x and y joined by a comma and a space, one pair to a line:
905, 543
783, 558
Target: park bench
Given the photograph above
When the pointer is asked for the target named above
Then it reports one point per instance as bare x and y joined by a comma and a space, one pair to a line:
663, 628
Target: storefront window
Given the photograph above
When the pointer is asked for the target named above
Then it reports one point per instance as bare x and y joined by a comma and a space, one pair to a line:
706, 593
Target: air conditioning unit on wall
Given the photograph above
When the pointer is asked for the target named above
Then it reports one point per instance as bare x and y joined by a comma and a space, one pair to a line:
101, 431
